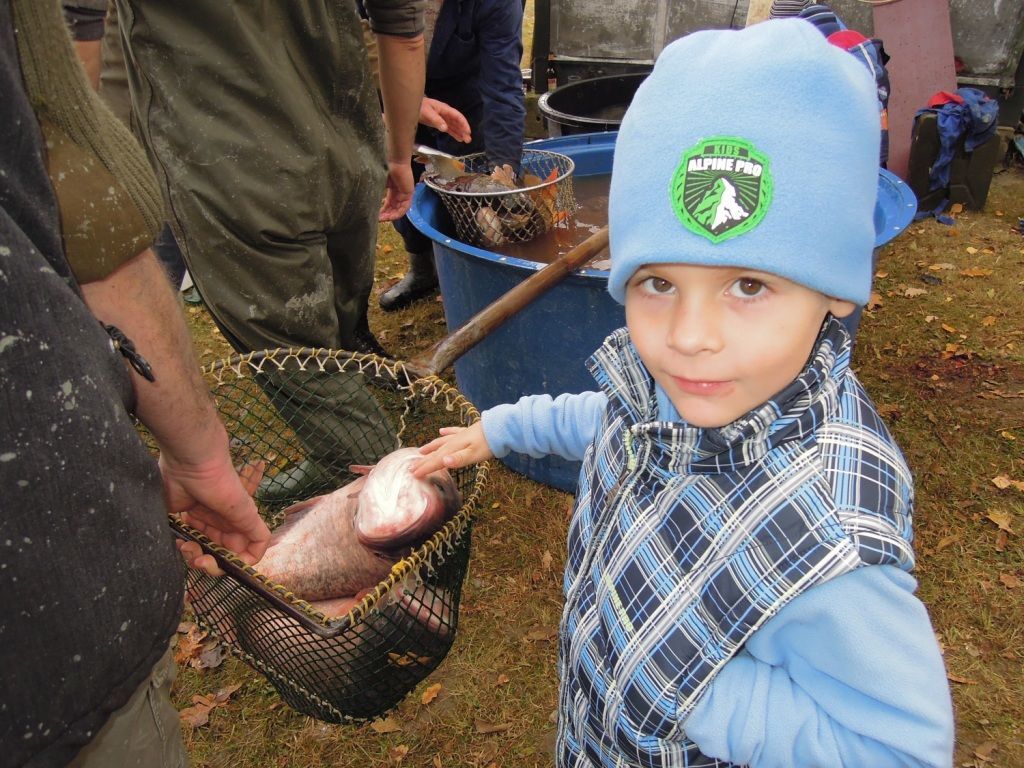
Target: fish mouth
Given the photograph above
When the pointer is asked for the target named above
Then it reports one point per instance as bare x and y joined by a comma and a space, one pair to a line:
384, 539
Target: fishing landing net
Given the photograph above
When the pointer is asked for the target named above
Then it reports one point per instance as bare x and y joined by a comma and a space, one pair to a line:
489, 218
336, 409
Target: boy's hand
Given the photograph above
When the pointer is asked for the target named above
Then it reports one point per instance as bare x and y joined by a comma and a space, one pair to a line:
457, 447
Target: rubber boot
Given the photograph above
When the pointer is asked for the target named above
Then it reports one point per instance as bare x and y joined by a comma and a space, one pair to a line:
365, 341
419, 281
294, 482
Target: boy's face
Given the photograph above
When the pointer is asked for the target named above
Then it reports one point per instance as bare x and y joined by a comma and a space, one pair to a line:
721, 340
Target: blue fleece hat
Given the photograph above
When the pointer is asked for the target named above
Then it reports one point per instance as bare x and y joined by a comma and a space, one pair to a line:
755, 148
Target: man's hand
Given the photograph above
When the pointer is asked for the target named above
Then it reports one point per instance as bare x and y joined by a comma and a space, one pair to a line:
457, 447
216, 501
400, 187
445, 118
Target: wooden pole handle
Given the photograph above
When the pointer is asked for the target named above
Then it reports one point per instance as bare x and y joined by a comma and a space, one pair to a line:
456, 344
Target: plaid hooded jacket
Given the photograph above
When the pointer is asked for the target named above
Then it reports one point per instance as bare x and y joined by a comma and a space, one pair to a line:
684, 541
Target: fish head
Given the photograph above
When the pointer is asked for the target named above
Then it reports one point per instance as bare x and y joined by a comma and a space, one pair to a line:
396, 509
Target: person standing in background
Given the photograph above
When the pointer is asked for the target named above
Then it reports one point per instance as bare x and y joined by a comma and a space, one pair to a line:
263, 124
474, 51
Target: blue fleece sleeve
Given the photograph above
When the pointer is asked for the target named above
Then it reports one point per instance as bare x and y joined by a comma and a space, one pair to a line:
849, 673
537, 425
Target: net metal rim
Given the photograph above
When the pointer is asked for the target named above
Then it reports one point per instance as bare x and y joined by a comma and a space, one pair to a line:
528, 154
430, 554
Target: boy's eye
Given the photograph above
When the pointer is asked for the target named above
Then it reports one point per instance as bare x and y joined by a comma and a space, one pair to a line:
657, 285
747, 288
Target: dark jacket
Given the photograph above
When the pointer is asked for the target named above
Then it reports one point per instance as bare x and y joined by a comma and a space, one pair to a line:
473, 64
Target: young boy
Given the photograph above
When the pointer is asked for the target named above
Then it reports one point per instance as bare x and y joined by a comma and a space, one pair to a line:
737, 585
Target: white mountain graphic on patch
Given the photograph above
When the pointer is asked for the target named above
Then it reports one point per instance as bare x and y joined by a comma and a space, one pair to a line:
728, 208
719, 206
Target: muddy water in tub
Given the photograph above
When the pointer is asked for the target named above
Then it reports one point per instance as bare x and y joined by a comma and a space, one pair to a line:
591, 193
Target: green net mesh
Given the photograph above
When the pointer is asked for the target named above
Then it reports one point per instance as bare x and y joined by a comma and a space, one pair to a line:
320, 411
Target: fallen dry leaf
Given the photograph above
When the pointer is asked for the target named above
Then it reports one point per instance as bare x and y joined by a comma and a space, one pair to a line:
1001, 519
502, 680
212, 656
875, 300
881, 274
1001, 540
223, 694
1002, 482
947, 541
976, 272
948, 328
487, 754
1007, 435
988, 320
889, 411
956, 208
912, 292
481, 727
942, 265
546, 560
199, 713
195, 716
1009, 580
397, 754
984, 750
430, 693
386, 725
540, 633
959, 679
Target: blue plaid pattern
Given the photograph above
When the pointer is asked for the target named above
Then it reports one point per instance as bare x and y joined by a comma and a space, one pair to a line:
684, 541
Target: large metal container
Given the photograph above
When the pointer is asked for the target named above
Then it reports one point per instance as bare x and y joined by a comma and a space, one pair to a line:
593, 104
543, 348
588, 38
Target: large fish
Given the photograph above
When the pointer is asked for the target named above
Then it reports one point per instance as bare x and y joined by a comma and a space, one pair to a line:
336, 545
332, 550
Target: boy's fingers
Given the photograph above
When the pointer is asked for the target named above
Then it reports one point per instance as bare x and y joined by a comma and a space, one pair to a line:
427, 465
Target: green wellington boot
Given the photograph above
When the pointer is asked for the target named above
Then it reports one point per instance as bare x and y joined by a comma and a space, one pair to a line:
418, 282
295, 482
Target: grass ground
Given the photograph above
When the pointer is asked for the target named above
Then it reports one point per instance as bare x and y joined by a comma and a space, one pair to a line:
942, 352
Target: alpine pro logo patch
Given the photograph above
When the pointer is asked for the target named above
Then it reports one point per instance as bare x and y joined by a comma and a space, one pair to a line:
722, 188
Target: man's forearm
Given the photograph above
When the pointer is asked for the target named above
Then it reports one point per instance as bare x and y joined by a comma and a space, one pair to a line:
402, 73
177, 407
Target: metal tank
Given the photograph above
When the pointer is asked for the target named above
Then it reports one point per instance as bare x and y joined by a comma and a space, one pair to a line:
576, 39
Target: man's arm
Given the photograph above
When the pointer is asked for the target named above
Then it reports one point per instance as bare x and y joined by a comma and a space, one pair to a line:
402, 73
199, 481
398, 25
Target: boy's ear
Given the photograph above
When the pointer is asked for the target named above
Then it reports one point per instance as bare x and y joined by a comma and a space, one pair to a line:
840, 307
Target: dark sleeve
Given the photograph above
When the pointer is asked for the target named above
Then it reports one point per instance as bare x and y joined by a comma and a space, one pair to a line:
92, 585
85, 19
499, 30
402, 18
110, 205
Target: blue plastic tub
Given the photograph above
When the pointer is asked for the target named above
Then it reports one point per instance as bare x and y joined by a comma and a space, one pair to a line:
543, 349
